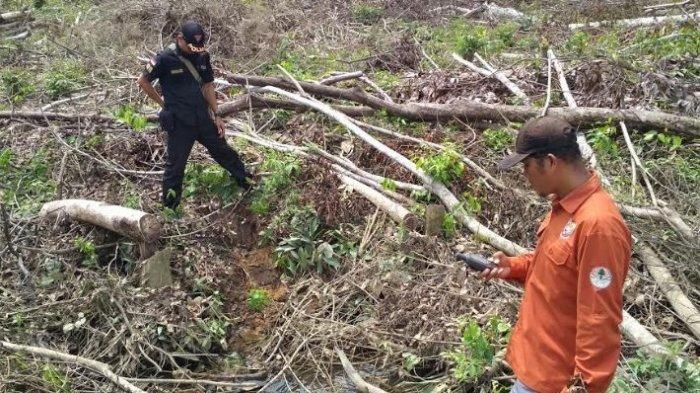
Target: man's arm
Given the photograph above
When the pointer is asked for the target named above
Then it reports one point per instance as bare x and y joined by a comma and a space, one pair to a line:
150, 91
210, 95
603, 263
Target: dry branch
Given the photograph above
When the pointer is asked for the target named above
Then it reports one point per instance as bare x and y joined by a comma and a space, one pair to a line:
489, 71
652, 8
340, 77
93, 365
686, 310
648, 21
360, 383
397, 212
134, 224
471, 110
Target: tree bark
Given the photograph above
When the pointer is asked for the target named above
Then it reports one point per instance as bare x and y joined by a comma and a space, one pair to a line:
397, 212
471, 110
686, 310
254, 101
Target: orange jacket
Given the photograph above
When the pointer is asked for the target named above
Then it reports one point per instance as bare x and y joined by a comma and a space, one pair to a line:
570, 313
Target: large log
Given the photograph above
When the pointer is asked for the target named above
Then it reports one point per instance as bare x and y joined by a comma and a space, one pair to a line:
648, 21
137, 225
254, 101
686, 310
472, 110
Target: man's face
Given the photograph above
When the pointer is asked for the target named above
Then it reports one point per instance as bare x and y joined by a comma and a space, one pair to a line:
541, 173
184, 48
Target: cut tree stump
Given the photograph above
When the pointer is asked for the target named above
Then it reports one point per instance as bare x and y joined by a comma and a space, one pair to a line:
434, 215
137, 225
155, 271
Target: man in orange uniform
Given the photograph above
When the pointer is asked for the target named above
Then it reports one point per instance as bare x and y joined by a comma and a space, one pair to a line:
567, 332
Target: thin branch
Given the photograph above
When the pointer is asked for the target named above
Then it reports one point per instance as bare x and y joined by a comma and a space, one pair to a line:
91, 364
549, 82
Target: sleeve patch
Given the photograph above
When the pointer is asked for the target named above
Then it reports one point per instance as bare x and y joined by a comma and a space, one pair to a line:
601, 277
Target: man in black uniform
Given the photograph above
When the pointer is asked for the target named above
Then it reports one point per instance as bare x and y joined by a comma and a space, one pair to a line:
189, 109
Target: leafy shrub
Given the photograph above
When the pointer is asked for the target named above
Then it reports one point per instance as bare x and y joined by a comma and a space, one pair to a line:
63, 78
209, 180
657, 373
444, 167
17, 85
26, 184
126, 114
671, 142
88, 249
303, 249
258, 299
478, 348
471, 42
578, 42
601, 139
282, 170
497, 139
449, 225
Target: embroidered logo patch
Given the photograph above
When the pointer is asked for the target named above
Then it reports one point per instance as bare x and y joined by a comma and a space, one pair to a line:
568, 229
149, 67
600, 277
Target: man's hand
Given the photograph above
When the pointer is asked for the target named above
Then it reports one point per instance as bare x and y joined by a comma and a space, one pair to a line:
503, 269
220, 126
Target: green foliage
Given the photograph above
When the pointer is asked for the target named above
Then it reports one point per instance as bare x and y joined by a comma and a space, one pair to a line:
385, 79
57, 381
666, 42
17, 85
479, 346
578, 42
449, 225
304, 248
497, 139
671, 142
208, 181
26, 184
88, 249
366, 13
131, 200
602, 140
471, 203
282, 171
63, 78
410, 361
5, 158
657, 373
126, 114
258, 299
472, 41
444, 167
386, 184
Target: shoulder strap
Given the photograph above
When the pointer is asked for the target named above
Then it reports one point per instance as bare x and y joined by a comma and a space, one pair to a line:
191, 68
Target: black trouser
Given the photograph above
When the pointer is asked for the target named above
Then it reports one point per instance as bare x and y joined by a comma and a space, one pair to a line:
181, 138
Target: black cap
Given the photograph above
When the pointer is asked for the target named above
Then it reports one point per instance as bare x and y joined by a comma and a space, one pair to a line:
193, 33
542, 135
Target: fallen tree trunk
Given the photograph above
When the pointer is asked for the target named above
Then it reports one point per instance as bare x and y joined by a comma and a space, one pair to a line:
134, 224
39, 115
93, 365
648, 21
397, 212
12, 16
686, 310
254, 101
471, 110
